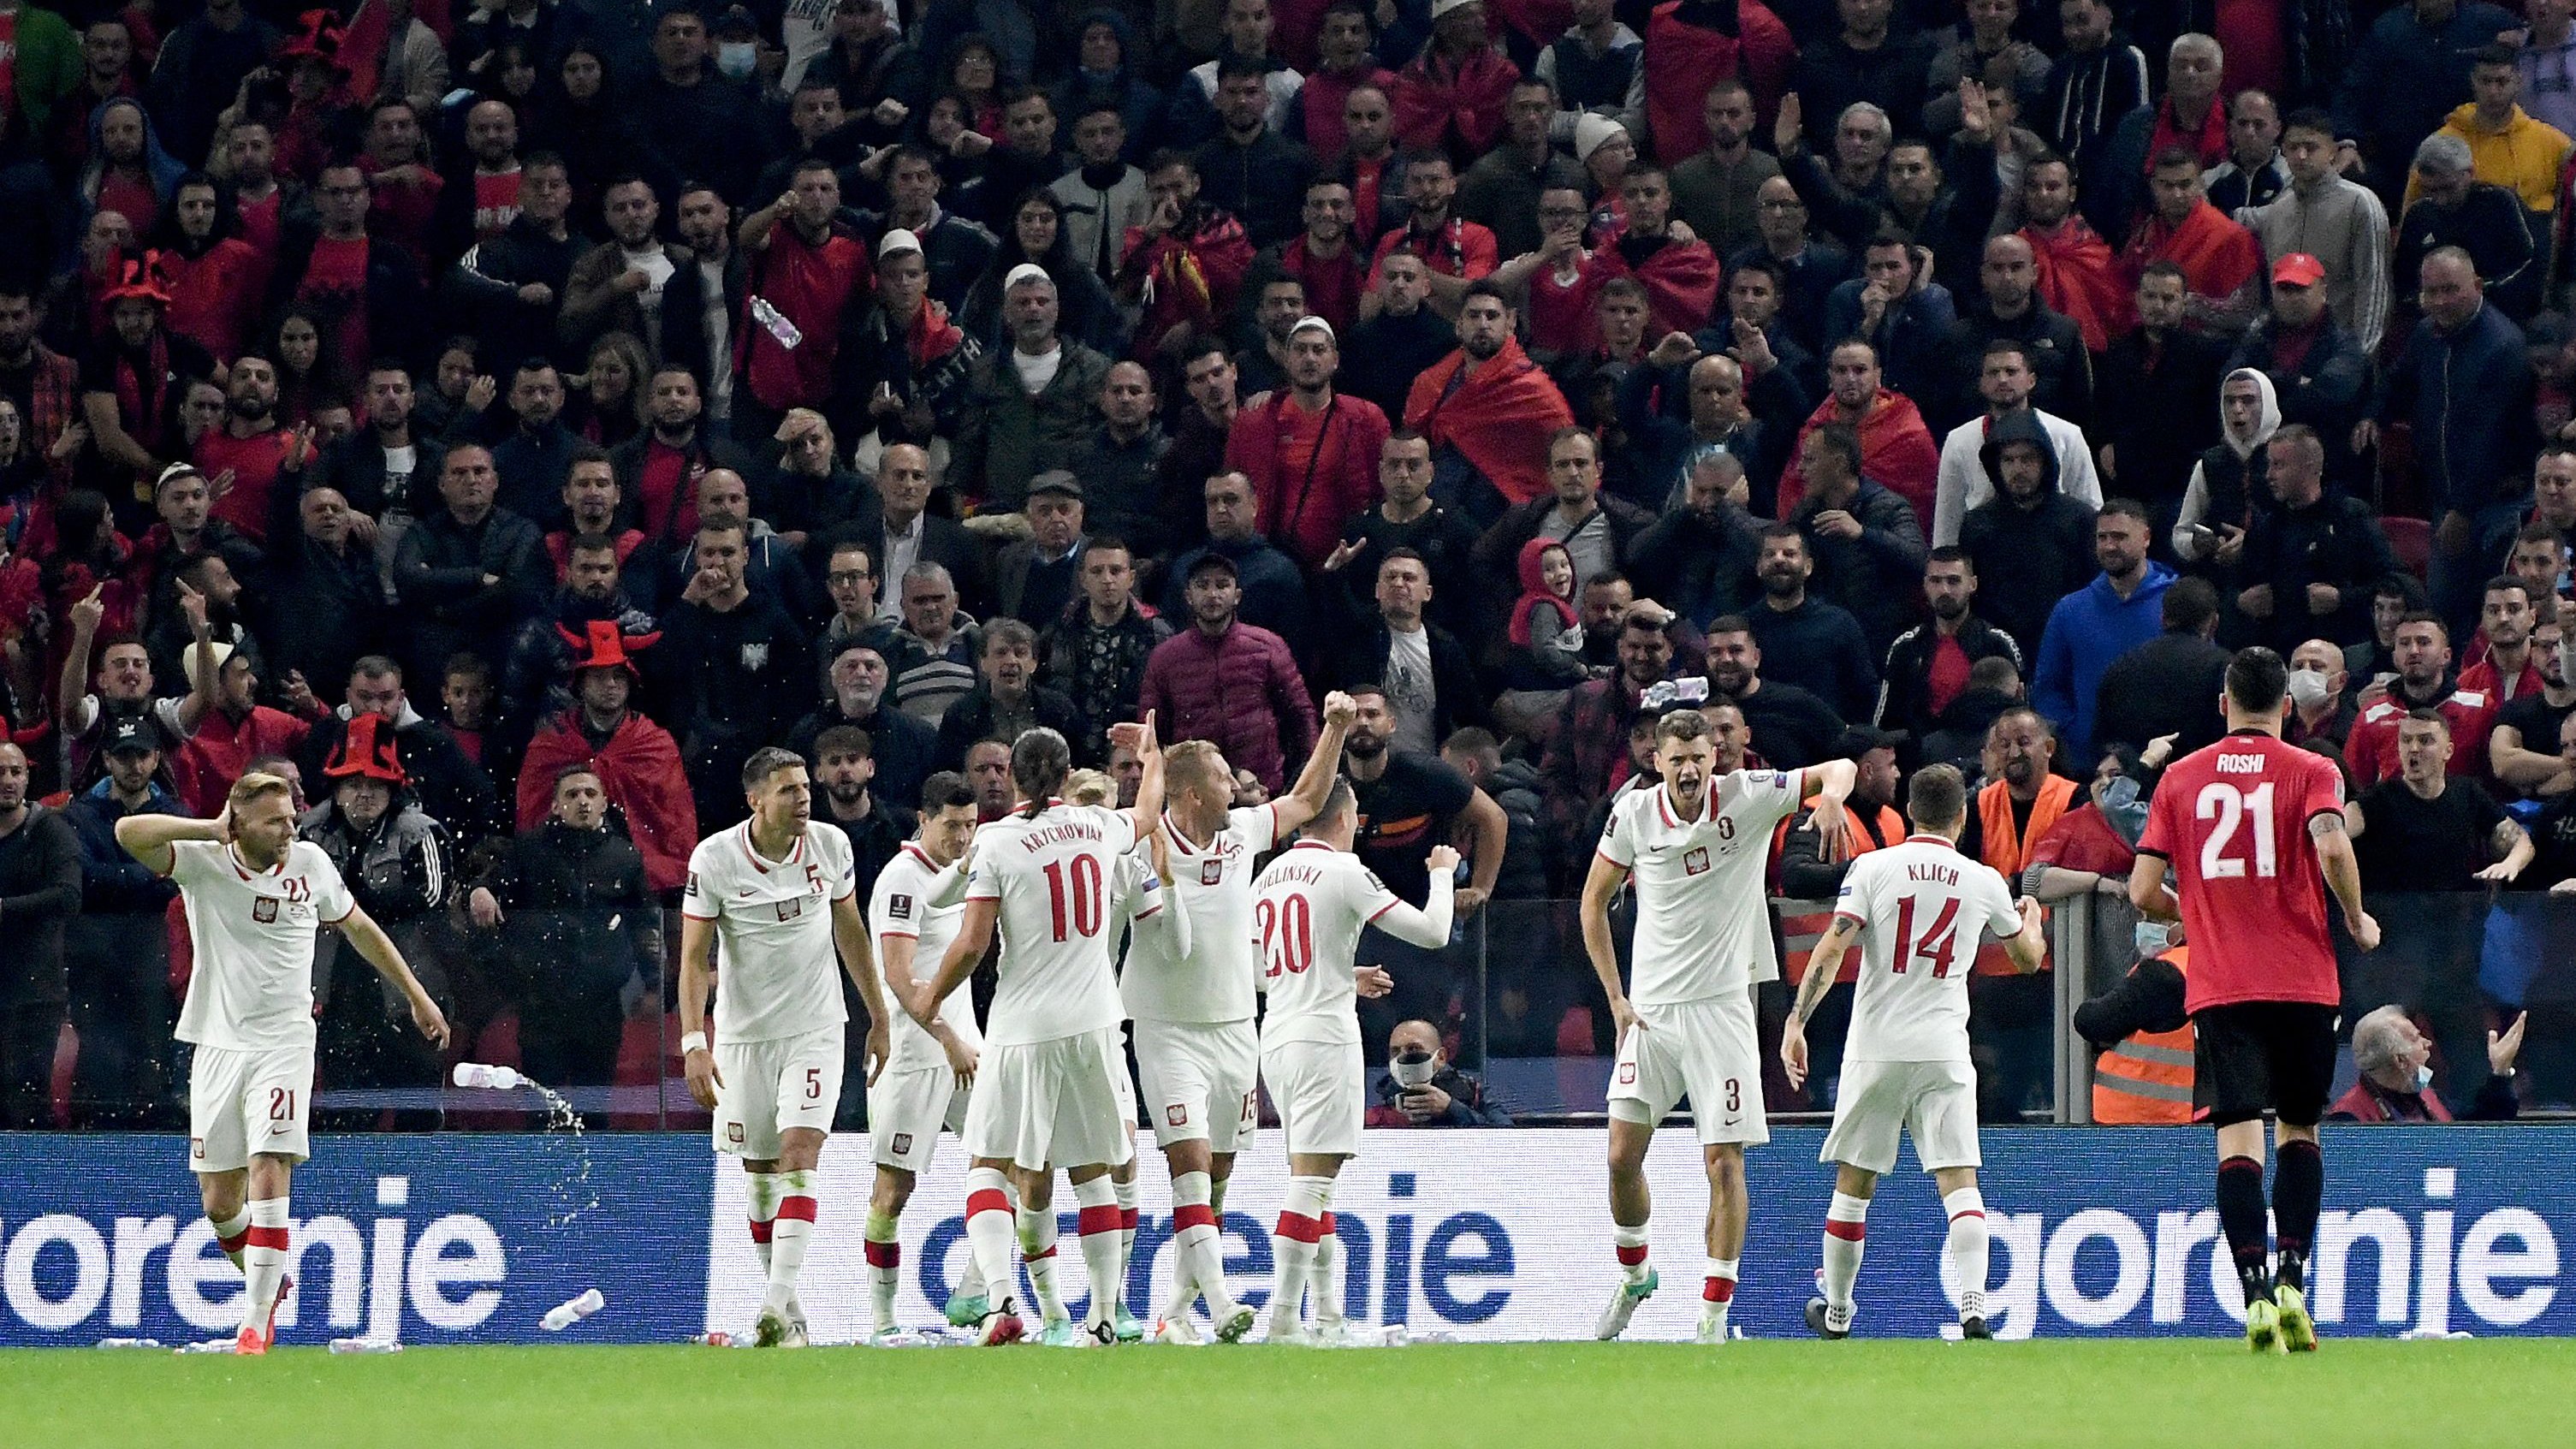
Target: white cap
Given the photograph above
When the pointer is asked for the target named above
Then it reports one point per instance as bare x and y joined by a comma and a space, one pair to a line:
1443, 7
1026, 272
188, 660
1592, 132
895, 240
1315, 324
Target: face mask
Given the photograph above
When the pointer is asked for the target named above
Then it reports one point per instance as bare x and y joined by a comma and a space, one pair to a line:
2123, 809
2308, 688
736, 59
1411, 1068
2423, 1077
2152, 939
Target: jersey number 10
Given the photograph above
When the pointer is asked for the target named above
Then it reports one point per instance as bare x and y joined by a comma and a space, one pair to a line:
1076, 902
1939, 944
2229, 806
1287, 929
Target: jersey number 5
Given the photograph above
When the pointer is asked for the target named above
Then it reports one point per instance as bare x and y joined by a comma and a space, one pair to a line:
1939, 944
1076, 900
1287, 929
2229, 806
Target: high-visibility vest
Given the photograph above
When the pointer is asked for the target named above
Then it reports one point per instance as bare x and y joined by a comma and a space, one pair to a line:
2009, 851
1800, 932
2147, 1077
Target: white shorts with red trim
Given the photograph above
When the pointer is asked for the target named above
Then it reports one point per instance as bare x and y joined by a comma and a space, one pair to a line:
1060, 1103
1703, 1050
1935, 1103
771, 1086
1321, 1090
243, 1104
906, 1111
1201, 1081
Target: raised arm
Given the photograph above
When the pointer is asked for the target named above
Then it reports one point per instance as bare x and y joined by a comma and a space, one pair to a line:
1428, 927
1305, 800
73, 691
148, 838
1149, 785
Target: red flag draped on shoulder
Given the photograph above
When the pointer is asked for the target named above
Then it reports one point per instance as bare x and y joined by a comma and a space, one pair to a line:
1500, 418
2079, 277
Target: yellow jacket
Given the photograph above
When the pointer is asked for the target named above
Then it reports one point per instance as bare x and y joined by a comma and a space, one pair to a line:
2522, 156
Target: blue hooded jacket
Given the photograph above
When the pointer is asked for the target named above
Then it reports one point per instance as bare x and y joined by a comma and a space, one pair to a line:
164, 169
1139, 105
2086, 631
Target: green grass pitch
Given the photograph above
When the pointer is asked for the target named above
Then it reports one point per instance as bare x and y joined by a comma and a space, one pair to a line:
2155, 1395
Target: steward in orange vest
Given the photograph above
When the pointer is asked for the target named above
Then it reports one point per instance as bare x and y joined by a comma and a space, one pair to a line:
2144, 1074
2001, 837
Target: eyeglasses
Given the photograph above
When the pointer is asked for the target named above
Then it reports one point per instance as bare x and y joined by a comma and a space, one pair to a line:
846, 576
1784, 204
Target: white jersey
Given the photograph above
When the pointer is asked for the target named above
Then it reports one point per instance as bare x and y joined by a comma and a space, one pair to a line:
1703, 915
1051, 876
252, 988
903, 905
1309, 908
1219, 977
776, 964
1922, 908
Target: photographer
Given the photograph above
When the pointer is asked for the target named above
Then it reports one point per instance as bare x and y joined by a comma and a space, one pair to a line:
1421, 1089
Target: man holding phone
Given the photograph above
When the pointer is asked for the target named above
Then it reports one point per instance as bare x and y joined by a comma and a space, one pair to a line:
1422, 1089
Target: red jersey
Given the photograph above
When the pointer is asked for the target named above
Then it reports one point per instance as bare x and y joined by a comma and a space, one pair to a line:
2232, 820
2370, 749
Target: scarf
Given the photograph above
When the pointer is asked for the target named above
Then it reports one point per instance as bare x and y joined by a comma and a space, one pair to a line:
1680, 282
2079, 277
2217, 256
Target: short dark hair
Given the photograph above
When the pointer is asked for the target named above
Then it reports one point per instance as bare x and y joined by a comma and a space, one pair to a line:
767, 761
946, 790
2427, 616
844, 740
1485, 287
2256, 680
1951, 553
2309, 118
2506, 581
2128, 508
465, 662
2189, 606
1843, 440
1936, 796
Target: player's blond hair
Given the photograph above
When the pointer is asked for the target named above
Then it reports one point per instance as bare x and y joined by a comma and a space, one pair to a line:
1201, 764
251, 788
1089, 787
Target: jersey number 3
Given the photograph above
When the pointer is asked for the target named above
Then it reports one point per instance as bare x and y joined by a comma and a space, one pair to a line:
2229, 806
1938, 945
1287, 929
1074, 892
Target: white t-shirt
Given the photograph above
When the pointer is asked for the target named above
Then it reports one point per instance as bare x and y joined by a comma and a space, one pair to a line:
1036, 372
1308, 909
1052, 877
656, 265
904, 904
252, 989
1219, 977
1922, 908
775, 961
1703, 917
1412, 690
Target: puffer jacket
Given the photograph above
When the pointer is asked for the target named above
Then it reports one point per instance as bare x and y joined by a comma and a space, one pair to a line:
1240, 689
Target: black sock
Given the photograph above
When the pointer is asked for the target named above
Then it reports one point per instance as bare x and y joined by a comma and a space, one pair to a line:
2298, 1188
2240, 1217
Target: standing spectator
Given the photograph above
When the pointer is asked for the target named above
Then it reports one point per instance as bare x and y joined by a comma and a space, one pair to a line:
2254, 171
2318, 373
1813, 645
618, 285
1716, 190
1427, 677
1406, 518
1310, 453
1033, 402
1693, 46
2220, 262
2053, 346
1809, 267
40, 890
1967, 479
2099, 79
2508, 672
954, 249
2166, 374
2077, 274
2170, 684
368, 296
2119, 610
692, 118
737, 668
2334, 220
663, 470
2408, 69
1327, 262
1903, 317
2008, 1016
1120, 459
1928, 665
1456, 252
583, 930
2450, 206
2465, 382
1488, 411
438, 775
1007, 701
1104, 195
118, 949
1598, 530
131, 382
1227, 681
1680, 277
1408, 805
1451, 96
636, 761
2309, 560
809, 272
2424, 682
468, 570
1500, 192
2518, 748
1867, 60
1405, 339
2320, 711
1586, 754
1792, 727
1271, 593
1865, 541
899, 747
1185, 265
1703, 554
1096, 650
2031, 545
2228, 483
1248, 168
537, 455
262, 458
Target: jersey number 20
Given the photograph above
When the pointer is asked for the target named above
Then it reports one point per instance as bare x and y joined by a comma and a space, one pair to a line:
1287, 929
2229, 806
1076, 900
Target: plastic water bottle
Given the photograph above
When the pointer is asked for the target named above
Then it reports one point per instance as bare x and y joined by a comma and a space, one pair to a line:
714, 1338
488, 1078
775, 322
129, 1343
565, 1315
365, 1345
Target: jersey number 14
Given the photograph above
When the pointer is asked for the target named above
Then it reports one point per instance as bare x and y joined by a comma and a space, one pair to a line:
1939, 943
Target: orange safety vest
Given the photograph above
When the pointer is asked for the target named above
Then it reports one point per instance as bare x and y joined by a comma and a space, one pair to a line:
1799, 933
2009, 853
2147, 1077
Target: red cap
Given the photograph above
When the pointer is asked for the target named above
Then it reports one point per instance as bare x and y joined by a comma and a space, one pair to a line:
2298, 269
367, 752
603, 646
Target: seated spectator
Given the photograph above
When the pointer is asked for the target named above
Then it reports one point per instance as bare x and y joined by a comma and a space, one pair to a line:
1814, 645
2029, 544
850, 582
2424, 681
1792, 727
1271, 594
1488, 411
1421, 1088
1929, 665
1035, 577
2169, 685
2395, 1060
2309, 560
934, 659
1007, 701
2519, 748
2321, 713
1229, 681
900, 747
635, 760
2121, 609
1095, 651
1429, 680
2006, 383
2448, 205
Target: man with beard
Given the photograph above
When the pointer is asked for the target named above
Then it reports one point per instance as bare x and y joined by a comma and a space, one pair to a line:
1716, 190
1410, 803
593, 503
370, 295
2164, 373
1896, 307
2121, 609
900, 747
2010, 815
1310, 453
1369, 163
2424, 682
904, 368
1278, 302
2008, 385
582, 930
1119, 459
466, 571
1026, 406
478, 201
844, 769
252, 451
1927, 667
1863, 540
1096, 651
1405, 517
1815, 646
1228, 681
1501, 190
118, 949
536, 456
2518, 752
1187, 263
637, 761
2221, 262
517, 279
2076, 273
1680, 277
1007, 701
1456, 251
1398, 338
2053, 347
703, 303
1599, 530
187, 530
1249, 168
384, 471
322, 599
805, 263
41, 383
658, 470
537, 671
2029, 545
1792, 727
1488, 411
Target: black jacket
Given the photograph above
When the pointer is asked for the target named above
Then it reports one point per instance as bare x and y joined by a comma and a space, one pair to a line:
2160, 416
40, 890
2063, 368
395, 300
2026, 558
2329, 390
971, 718
355, 465
318, 612
2335, 540
684, 312
1904, 685
579, 918
903, 748
1792, 727
1458, 700
1699, 566
2168, 685
450, 788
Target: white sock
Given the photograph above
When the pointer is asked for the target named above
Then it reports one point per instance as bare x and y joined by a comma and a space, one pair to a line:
231, 1233
763, 1192
1300, 1225
1098, 1224
1127, 1218
988, 1232
1326, 1278
1198, 1267
885, 1267
1717, 1293
1846, 1233
970, 1281
1630, 1242
263, 1260
1965, 1251
789, 1233
1037, 1254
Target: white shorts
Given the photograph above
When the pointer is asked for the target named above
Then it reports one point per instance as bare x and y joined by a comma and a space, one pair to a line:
1934, 1102
242, 1103
771, 1086
1704, 1050
1201, 1081
1321, 1090
906, 1109
1060, 1103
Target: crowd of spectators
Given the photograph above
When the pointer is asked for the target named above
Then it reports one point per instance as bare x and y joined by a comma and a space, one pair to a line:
507, 420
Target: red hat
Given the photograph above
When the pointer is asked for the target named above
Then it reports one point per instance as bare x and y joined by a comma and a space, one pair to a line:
367, 752
2298, 269
604, 646
139, 277
320, 39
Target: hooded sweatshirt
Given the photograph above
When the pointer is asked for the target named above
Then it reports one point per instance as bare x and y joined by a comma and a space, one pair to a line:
2522, 155
1545, 633
2226, 484
2026, 559
1965, 482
